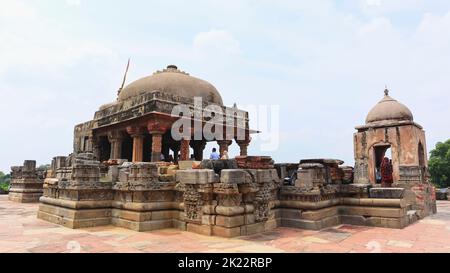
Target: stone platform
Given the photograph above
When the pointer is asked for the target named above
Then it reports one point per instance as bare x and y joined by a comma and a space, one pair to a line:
221, 202
21, 231
26, 183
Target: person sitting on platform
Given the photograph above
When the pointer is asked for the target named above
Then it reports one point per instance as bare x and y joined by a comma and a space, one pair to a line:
225, 155
214, 155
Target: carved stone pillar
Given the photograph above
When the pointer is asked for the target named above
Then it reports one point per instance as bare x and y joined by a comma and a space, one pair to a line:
157, 130
156, 147
115, 138
243, 145
184, 153
137, 134
223, 146
95, 147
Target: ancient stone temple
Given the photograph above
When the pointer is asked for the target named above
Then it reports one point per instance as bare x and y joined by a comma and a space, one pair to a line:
116, 174
137, 127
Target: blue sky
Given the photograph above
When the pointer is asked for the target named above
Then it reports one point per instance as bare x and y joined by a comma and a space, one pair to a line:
325, 63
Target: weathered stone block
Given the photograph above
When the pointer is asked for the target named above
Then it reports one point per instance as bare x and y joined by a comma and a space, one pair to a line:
372, 211
249, 219
265, 176
164, 214
209, 220
185, 165
229, 211
196, 176
200, 229
232, 176
387, 193
229, 222
253, 228
132, 215
226, 232
181, 225
270, 225
316, 215
254, 162
73, 218
219, 165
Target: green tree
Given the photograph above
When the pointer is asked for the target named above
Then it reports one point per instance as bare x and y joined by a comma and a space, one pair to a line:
4, 178
439, 164
4, 181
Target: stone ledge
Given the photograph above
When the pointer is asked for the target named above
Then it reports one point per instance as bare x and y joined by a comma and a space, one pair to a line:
387, 193
24, 197
142, 226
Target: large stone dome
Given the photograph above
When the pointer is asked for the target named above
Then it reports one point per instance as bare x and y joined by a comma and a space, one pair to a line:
388, 109
175, 82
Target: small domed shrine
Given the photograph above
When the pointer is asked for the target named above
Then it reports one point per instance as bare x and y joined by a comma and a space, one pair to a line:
390, 125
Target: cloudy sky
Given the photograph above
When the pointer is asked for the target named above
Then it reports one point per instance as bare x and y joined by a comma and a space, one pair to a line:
324, 63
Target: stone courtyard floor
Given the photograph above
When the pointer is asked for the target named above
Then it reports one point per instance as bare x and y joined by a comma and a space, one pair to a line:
21, 231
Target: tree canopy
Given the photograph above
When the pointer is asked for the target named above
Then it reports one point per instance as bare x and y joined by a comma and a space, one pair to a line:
439, 164
4, 178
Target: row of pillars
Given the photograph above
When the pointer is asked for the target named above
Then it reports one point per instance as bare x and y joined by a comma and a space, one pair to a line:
138, 135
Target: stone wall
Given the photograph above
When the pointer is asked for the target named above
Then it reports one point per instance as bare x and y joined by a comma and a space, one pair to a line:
239, 202
319, 201
221, 199
139, 196
75, 197
143, 202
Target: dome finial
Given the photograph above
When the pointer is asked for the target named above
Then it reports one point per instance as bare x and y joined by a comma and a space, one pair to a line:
386, 91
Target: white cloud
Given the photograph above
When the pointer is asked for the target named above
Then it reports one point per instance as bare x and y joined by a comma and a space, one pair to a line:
29, 42
73, 2
382, 25
373, 2
217, 42
15, 9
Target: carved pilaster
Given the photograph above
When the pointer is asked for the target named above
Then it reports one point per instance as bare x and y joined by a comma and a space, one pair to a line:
243, 145
184, 149
115, 138
157, 130
137, 133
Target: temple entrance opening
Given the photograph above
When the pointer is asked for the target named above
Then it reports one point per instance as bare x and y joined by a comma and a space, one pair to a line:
380, 152
105, 148
147, 148
127, 148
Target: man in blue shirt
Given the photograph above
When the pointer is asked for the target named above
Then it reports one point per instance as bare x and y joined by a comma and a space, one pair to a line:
214, 155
